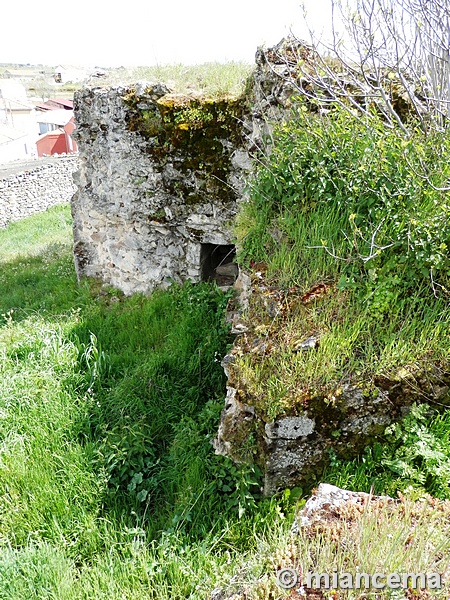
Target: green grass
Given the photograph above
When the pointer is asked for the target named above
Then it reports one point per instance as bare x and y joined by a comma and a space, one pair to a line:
49, 228
362, 211
210, 79
413, 455
109, 487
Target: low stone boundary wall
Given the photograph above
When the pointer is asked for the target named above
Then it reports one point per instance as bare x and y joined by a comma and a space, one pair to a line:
37, 187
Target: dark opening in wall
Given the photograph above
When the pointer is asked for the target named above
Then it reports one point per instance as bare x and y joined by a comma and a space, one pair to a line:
217, 264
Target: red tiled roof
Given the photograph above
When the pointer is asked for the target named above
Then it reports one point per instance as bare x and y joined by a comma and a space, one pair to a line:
55, 104
45, 106
63, 101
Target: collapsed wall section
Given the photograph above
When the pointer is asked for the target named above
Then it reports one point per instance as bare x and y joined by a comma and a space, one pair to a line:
161, 179
161, 176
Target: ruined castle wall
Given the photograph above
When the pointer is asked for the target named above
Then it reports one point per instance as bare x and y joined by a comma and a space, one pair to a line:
159, 176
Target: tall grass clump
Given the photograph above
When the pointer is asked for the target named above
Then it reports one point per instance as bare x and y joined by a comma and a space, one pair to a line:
362, 202
109, 485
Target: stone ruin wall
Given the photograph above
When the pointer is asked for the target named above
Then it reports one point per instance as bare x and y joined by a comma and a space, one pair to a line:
35, 187
162, 175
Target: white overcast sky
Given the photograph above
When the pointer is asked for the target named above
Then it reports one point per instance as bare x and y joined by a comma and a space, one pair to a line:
148, 32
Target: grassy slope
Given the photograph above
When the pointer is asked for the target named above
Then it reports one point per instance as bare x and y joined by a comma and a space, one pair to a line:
348, 225
107, 475
348, 208
94, 391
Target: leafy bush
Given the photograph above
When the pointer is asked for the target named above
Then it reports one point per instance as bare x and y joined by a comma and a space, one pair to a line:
376, 203
362, 212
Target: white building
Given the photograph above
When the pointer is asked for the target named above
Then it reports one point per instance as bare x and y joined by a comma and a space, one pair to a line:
15, 144
18, 127
50, 120
9, 88
19, 115
68, 73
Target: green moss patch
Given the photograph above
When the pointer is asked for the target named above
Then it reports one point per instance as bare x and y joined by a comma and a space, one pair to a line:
190, 132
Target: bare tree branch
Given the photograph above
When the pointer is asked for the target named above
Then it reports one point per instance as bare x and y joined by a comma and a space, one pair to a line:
394, 59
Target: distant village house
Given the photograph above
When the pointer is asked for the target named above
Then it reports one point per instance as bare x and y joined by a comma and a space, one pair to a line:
57, 139
18, 129
69, 74
28, 130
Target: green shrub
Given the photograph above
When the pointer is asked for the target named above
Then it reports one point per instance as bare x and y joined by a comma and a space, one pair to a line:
374, 202
364, 211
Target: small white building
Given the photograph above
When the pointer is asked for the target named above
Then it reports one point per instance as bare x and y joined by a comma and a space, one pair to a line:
18, 127
69, 74
18, 115
50, 120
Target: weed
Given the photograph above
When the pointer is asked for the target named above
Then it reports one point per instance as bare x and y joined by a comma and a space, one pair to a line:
412, 455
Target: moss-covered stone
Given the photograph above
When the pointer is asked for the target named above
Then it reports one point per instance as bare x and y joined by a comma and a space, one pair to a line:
199, 135
294, 422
